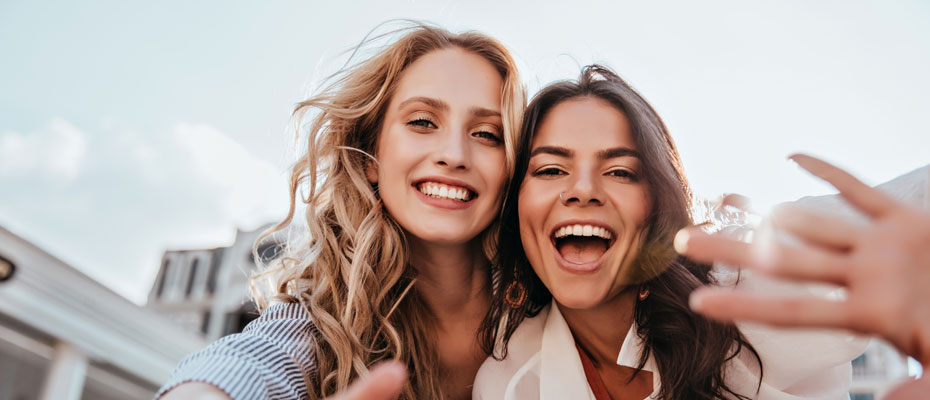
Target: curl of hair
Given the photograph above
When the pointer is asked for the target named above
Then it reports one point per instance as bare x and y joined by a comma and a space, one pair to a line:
690, 350
350, 268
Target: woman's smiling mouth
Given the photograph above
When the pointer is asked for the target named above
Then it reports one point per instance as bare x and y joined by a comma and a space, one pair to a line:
445, 193
580, 246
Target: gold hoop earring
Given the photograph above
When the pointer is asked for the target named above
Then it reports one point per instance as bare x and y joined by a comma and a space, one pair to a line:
515, 295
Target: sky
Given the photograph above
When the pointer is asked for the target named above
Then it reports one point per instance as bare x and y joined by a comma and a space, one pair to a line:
131, 128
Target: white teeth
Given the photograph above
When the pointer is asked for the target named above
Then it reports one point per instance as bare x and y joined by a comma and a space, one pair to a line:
583, 230
443, 191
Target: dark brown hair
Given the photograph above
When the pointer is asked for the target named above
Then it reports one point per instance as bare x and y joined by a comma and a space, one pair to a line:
690, 351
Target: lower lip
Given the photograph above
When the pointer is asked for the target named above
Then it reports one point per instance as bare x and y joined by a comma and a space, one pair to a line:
448, 204
578, 268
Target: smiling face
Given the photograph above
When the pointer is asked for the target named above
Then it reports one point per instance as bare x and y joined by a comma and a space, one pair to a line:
582, 245
440, 170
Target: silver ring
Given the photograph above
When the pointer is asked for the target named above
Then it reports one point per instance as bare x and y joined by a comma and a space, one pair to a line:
560, 196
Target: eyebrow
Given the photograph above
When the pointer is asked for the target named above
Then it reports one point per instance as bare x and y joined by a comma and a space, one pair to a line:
606, 154
617, 152
443, 106
435, 103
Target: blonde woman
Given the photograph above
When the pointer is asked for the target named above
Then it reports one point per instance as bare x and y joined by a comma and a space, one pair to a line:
401, 184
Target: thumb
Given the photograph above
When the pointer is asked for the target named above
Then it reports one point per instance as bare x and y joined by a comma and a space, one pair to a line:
385, 382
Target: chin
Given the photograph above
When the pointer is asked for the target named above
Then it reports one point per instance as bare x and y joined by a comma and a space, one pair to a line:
444, 236
578, 298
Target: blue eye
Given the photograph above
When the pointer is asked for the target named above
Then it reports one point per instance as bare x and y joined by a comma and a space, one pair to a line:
487, 135
421, 123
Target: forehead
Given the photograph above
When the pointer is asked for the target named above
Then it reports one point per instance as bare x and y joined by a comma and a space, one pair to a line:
586, 123
453, 75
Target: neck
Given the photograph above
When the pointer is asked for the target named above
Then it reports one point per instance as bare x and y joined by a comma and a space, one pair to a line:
452, 279
602, 340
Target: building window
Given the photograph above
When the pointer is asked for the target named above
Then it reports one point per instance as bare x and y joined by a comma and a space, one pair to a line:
214, 269
205, 323
267, 252
236, 321
162, 278
192, 277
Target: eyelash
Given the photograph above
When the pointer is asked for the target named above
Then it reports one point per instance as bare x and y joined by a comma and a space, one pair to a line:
617, 173
548, 171
488, 135
426, 123
624, 173
421, 122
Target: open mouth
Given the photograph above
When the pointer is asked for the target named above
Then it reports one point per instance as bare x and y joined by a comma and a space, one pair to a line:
582, 243
446, 191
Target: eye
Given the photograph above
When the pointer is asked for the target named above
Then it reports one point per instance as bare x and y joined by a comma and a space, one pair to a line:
623, 174
549, 172
489, 136
421, 122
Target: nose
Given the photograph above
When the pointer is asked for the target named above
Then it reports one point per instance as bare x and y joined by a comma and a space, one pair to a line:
583, 191
453, 151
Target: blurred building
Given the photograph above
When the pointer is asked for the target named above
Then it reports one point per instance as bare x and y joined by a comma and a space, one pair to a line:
206, 291
64, 336
877, 371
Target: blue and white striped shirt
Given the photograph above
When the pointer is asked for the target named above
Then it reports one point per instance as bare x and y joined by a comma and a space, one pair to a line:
268, 360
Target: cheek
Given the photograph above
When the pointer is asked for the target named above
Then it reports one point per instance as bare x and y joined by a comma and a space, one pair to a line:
532, 212
491, 162
638, 207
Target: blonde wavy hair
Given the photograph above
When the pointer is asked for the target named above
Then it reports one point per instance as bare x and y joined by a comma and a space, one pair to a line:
350, 270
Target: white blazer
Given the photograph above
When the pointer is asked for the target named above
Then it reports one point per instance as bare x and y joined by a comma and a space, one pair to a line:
543, 363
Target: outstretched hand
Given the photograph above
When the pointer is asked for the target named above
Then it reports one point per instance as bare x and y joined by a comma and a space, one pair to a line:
385, 382
883, 265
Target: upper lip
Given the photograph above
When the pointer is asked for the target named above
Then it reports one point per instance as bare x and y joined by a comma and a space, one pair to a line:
447, 181
592, 222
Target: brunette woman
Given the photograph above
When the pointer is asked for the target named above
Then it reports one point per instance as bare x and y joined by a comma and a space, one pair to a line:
596, 200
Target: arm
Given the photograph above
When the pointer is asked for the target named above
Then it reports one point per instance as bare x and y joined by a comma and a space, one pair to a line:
384, 383
195, 390
267, 360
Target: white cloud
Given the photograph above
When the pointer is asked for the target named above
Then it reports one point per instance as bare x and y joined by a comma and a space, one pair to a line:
244, 184
131, 195
57, 150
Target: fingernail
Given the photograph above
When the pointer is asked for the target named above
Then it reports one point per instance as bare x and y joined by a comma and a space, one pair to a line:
681, 241
696, 300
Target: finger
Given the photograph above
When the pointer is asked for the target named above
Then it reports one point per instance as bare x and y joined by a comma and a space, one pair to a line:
802, 262
816, 228
733, 305
737, 200
385, 382
765, 255
702, 247
911, 389
867, 199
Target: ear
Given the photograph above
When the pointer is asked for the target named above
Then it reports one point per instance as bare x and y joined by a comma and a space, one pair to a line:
371, 171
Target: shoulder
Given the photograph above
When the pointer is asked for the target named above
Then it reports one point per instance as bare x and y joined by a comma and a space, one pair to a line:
269, 359
495, 376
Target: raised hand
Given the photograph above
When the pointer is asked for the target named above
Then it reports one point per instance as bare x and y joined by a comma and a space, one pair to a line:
884, 265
